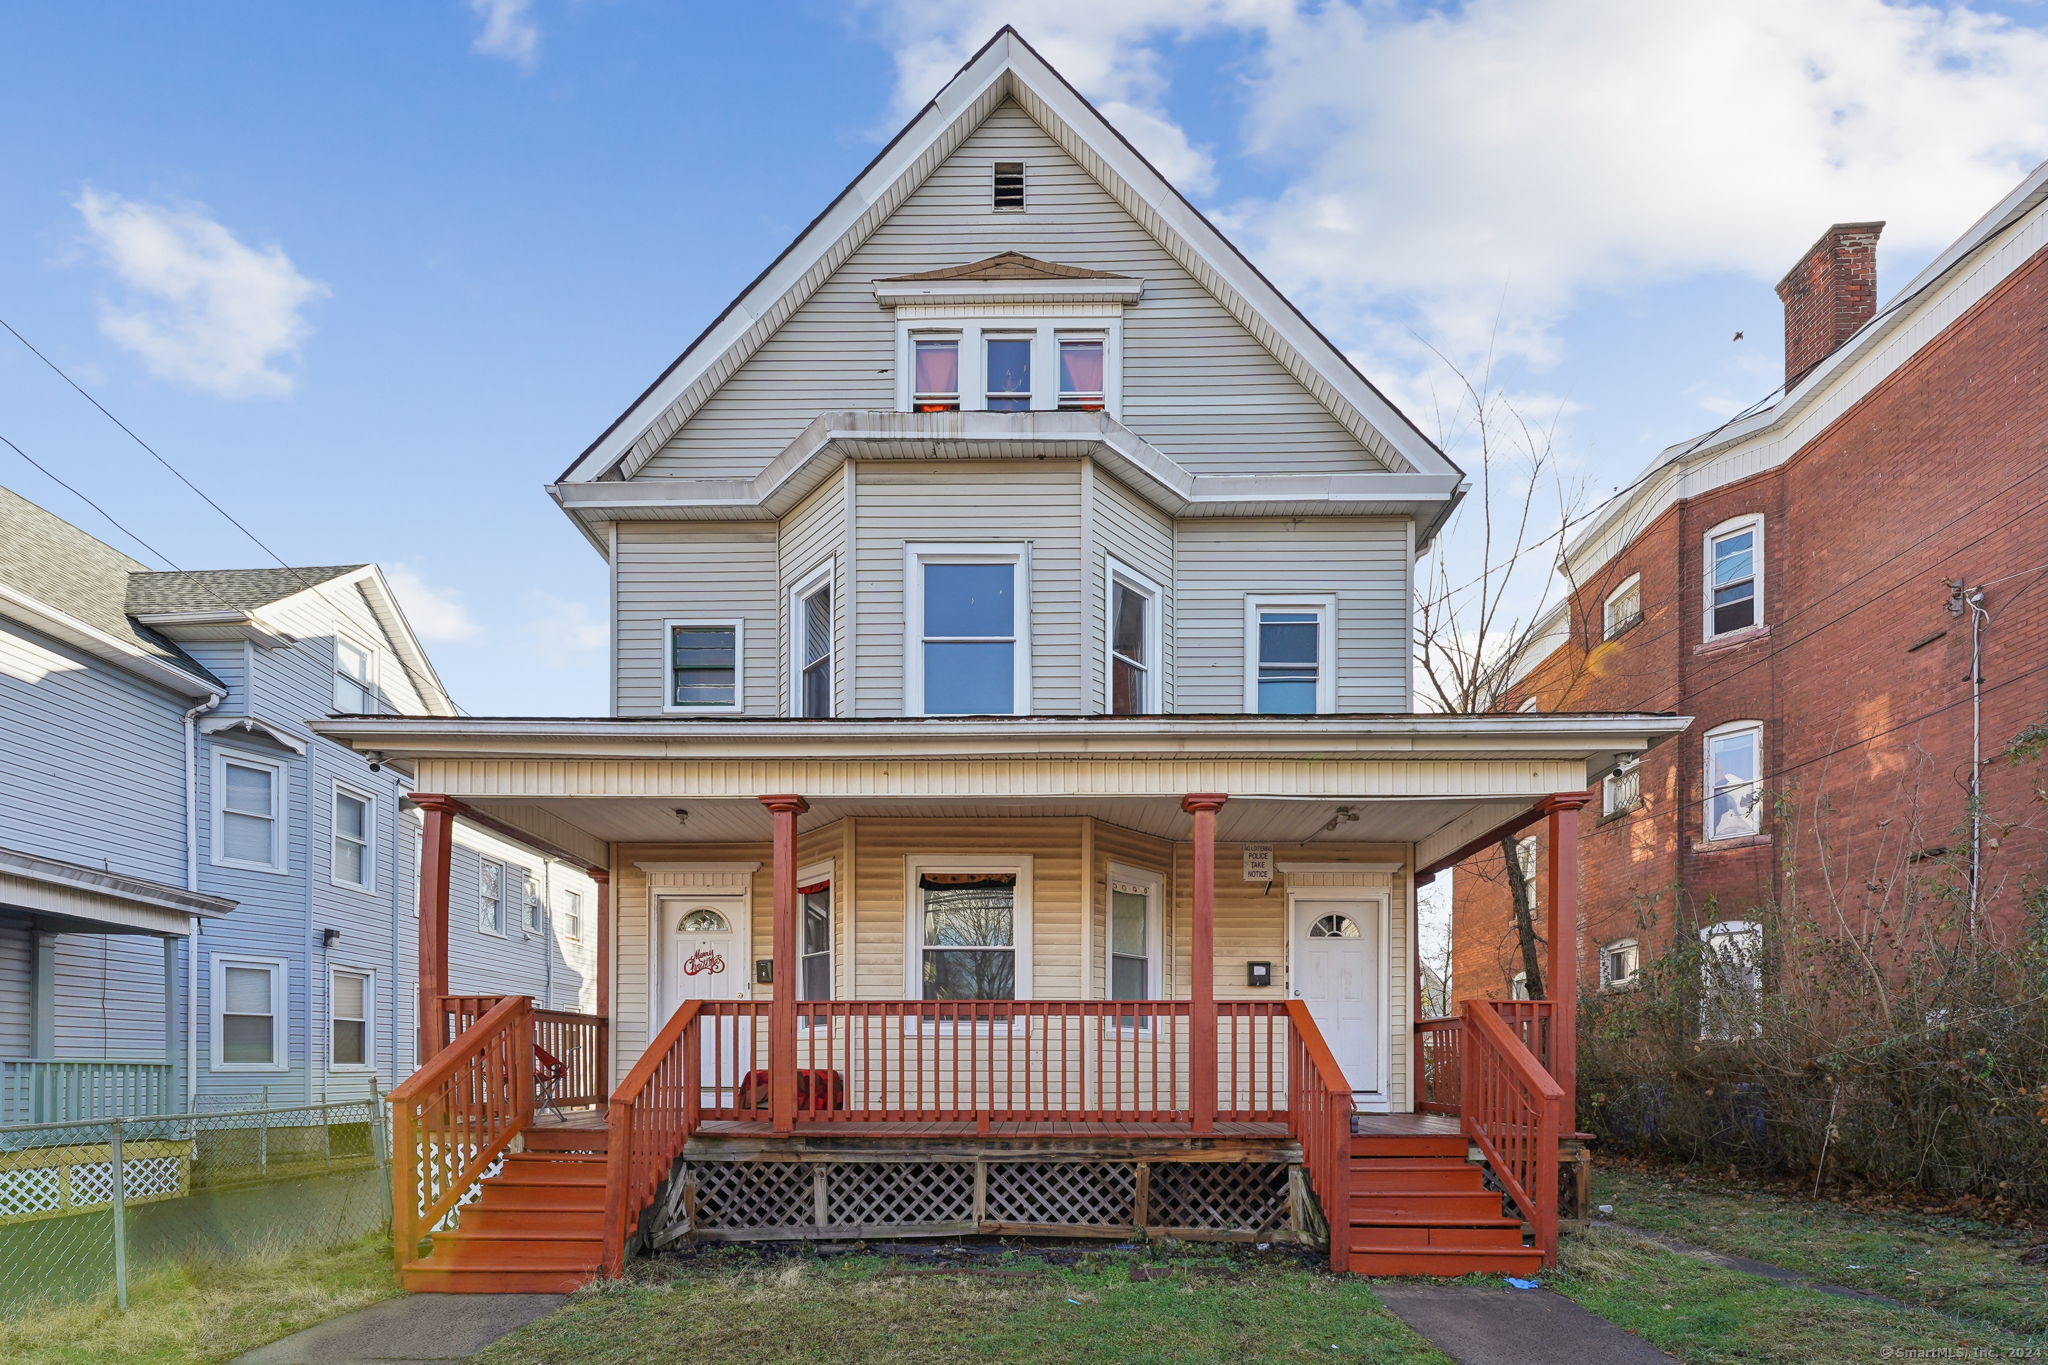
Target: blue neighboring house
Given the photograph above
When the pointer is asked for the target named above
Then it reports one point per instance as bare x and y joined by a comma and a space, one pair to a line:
203, 903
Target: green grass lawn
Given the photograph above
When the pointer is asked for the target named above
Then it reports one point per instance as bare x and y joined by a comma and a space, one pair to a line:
1963, 1268
204, 1313
737, 1305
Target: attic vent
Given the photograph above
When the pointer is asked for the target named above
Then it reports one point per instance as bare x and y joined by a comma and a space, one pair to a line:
1009, 185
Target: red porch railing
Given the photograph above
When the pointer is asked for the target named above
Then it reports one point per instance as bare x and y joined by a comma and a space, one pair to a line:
1319, 1117
1513, 1110
651, 1116
1437, 1046
456, 1115
578, 1041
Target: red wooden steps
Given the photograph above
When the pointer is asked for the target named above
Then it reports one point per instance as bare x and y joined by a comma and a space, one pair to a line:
537, 1226
1419, 1206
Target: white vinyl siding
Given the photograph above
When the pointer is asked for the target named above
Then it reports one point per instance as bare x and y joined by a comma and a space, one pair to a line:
721, 571
1361, 564
1196, 383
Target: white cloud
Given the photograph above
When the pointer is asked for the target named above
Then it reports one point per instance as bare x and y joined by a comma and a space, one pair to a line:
508, 31
561, 625
205, 309
437, 614
1474, 171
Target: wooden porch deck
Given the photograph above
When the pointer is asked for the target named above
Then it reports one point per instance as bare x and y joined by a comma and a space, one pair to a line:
1362, 1125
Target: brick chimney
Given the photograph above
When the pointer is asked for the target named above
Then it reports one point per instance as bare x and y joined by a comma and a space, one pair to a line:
1828, 295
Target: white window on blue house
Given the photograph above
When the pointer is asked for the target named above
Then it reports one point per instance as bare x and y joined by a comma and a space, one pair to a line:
1289, 664
572, 914
248, 812
969, 651
355, 827
355, 677
350, 997
535, 912
490, 896
248, 1014
704, 665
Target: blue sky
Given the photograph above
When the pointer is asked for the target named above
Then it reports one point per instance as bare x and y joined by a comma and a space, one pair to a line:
372, 274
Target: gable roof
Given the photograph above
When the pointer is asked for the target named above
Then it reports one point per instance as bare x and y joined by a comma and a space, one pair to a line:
1008, 265
1006, 68
46, 561
223, 589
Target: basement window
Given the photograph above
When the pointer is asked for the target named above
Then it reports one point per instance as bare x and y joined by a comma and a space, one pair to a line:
1008, 186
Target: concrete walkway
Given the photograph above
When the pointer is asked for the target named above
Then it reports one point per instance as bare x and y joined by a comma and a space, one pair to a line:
419, 1329
1481, 1325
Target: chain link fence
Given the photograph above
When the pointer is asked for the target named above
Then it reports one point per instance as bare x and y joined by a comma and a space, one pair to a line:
86, 1208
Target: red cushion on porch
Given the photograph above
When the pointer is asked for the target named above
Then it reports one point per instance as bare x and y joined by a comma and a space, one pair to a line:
816, 1088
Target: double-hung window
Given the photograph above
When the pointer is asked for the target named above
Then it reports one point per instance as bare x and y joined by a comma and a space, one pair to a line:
969, 627
354, 840
1135, 639
1734, 577
530, 898
248, 1014
704, 665
355, 687
1008, 370
814, 939
810, 631
968, 925
1734, 767
1289, 670
935, 366
572, 914
349, 1002
248, 812
490, 895
1134, 938
1624, 608
1082, 371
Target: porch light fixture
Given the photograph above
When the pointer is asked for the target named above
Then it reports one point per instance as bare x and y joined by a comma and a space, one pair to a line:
1345, 814
682, 815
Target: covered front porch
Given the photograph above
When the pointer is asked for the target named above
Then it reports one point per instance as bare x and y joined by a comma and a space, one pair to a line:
1083, 969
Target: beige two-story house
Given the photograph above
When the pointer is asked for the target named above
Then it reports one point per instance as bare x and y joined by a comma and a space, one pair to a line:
1013, 795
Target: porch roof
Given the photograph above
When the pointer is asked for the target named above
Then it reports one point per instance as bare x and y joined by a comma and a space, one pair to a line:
93, 900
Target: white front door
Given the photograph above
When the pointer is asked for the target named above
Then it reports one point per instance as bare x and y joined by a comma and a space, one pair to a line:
1335, 964
703, 957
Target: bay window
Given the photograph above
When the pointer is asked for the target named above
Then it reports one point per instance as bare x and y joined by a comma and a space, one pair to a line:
814, 939
968, 651
1135, 639
935, 385
1008, 371
1081, 374
1001, 363
810, 647
968, 926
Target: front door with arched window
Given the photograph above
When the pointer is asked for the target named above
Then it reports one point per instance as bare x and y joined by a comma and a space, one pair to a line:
1334, 964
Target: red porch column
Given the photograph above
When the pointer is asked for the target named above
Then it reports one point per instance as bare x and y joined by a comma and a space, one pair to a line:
604, 941
782, 1005
437, 846
1202, 962
1561, 878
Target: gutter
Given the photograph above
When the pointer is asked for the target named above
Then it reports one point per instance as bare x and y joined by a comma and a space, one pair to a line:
192, 884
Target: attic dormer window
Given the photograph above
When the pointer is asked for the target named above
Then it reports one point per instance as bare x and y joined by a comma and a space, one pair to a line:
1008, 190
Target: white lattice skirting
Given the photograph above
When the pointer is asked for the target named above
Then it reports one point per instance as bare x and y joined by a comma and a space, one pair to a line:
774, 1200
53, 1181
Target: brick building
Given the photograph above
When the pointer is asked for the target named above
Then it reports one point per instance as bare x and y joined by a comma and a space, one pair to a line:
1809, 582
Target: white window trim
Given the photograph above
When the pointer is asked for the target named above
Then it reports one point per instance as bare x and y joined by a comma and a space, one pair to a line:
1529, 868
280, 808
1115, 571
1751, 930
370, 817
1325, 604
505, 870
369, 975
280, 1004
1753, 521
915, 557
824, 576
1023, 174
533, 907
1154, 889
915, 866
817, 872
368, 682
1608, 631
571, 893
1610, 981
1627, 763
668, 666
1046, 332
1756, 824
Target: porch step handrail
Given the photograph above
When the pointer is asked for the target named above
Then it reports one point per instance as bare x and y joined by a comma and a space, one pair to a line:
1512, 1109
649, 1120
456, 1115
580, 1042
1319, 1109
